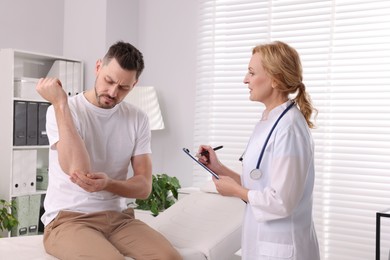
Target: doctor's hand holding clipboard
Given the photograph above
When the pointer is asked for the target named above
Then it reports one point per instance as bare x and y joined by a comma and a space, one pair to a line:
229, 182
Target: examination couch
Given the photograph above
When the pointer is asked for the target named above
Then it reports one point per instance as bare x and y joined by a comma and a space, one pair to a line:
202, 226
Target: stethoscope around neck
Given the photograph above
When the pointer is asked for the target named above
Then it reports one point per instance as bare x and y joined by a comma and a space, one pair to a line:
256, 173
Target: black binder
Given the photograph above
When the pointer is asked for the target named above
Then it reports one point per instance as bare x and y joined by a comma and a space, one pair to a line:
42, 135
32, 123
20, 122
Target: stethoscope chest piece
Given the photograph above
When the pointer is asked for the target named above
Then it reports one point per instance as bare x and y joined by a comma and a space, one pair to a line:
256, 174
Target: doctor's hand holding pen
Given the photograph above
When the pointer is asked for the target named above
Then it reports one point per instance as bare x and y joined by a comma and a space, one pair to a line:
208, 157
229, 183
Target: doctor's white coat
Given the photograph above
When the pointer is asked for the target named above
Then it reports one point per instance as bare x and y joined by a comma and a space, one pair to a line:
278, 219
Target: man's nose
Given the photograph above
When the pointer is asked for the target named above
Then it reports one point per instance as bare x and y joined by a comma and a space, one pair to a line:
113, 91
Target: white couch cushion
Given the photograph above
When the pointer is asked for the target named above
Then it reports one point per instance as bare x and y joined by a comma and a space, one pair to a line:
23, 248
31, 248
200, 225
207, 222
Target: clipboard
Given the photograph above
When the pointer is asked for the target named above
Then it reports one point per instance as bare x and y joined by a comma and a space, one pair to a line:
201, 164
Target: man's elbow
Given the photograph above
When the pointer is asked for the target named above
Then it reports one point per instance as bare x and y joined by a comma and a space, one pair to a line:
65, 167
147, 184
69, 169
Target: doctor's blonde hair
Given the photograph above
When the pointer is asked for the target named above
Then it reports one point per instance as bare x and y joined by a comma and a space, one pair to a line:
283, 65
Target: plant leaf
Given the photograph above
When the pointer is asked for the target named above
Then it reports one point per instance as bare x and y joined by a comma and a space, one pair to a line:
163, 188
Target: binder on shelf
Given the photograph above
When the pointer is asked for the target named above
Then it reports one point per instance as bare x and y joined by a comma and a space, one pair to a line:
22, 206
42, 135
63, 70
24, 167
69, 78
42, 178
58, 70
20, 120
33, 216
32, 123
27, 213
77, 80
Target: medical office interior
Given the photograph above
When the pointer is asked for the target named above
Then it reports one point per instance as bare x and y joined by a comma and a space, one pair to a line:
196, 63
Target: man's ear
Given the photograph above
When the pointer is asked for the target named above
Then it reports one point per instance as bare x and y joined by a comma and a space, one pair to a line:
98, 66
135, 82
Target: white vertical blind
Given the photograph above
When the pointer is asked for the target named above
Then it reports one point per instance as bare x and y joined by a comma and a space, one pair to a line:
345, 51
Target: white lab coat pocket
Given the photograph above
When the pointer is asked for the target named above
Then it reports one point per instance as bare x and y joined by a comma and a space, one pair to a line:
274, 251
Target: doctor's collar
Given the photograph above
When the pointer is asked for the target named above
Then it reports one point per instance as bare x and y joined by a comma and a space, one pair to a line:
275, 111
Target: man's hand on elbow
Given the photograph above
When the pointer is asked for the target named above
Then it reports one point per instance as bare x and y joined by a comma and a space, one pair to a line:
90, 182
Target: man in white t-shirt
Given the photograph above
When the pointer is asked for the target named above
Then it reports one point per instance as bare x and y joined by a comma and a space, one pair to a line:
94, 137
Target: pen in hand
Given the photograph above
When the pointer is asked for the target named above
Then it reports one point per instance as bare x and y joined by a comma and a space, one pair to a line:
205, 153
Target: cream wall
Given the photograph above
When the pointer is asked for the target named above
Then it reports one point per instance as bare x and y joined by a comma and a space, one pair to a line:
84, 29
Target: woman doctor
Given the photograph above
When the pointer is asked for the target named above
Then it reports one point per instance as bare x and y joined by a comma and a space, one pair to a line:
278, 164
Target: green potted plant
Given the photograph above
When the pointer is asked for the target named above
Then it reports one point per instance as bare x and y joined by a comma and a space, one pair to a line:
7, 219
164, 194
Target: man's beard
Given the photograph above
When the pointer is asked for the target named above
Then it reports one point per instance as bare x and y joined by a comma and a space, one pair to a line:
102, 104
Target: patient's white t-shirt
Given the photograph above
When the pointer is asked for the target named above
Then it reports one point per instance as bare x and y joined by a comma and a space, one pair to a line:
112, 137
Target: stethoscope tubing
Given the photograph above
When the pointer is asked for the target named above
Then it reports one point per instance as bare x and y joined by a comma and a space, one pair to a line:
270, 133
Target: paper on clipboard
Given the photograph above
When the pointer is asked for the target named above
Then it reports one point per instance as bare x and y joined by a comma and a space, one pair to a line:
201, 164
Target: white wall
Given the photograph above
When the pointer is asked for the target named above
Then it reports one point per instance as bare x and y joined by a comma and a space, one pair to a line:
167, 36
84, 29
35, 26
123, 21
85, 34
91, 26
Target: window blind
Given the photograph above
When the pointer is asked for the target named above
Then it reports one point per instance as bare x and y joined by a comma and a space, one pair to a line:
345, 51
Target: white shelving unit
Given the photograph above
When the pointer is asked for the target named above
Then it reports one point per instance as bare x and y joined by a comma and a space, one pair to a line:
19, 73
